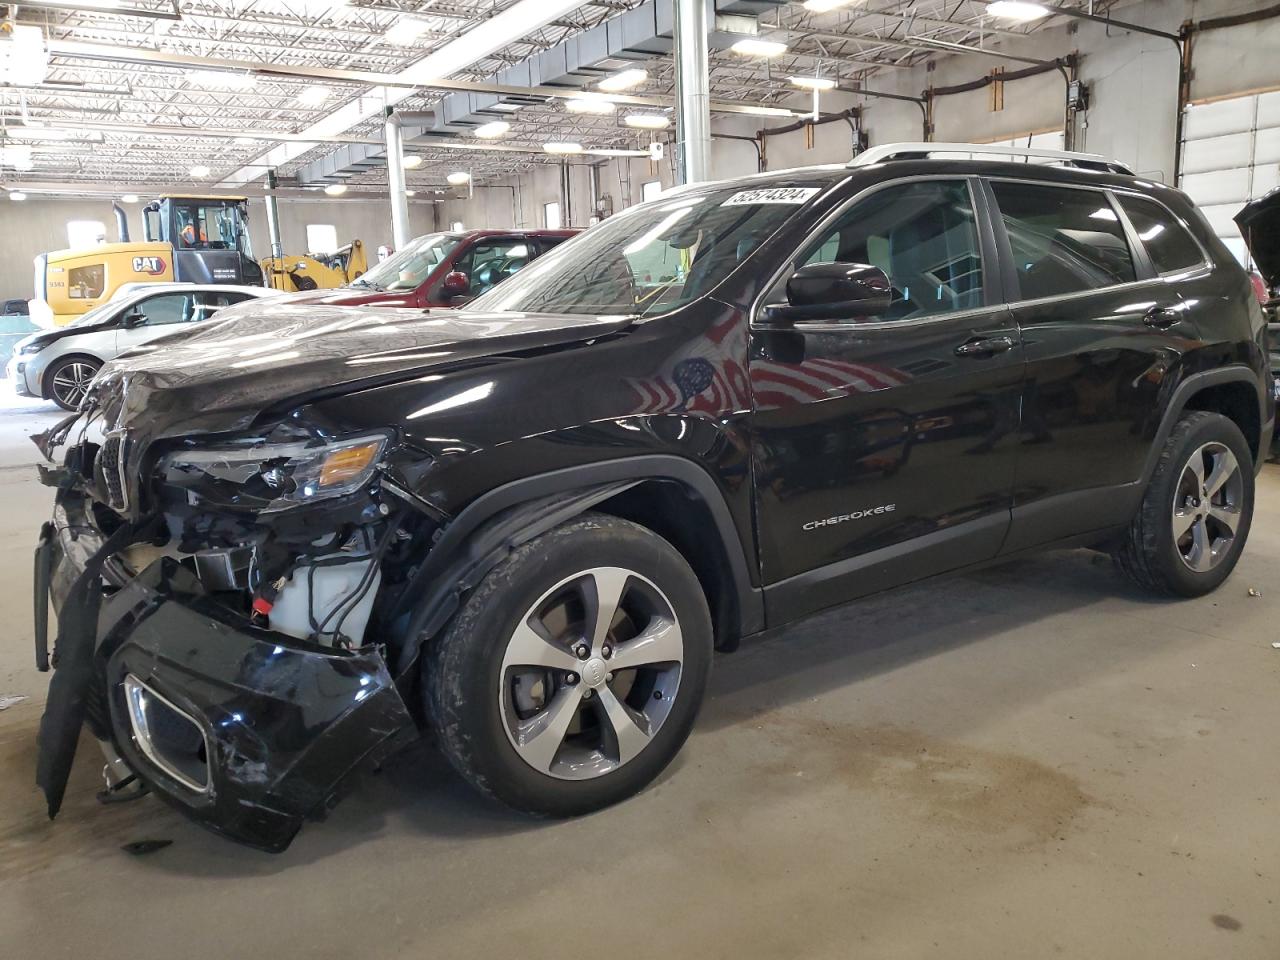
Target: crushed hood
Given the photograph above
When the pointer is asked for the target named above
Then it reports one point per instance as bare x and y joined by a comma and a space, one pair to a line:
1259, 222
260, 355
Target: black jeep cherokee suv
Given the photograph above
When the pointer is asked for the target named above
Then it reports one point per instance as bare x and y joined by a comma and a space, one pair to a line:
287, 543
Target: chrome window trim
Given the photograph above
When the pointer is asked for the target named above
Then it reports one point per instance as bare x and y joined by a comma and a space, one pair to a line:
788, 262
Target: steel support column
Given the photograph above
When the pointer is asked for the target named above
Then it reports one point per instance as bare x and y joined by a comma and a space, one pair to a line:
395, 182
693, 95
273, 216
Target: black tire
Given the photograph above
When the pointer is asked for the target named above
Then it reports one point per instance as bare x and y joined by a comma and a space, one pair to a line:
55, 388
463, 670
1149, 553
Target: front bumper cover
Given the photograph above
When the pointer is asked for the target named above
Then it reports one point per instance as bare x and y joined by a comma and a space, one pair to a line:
282, 723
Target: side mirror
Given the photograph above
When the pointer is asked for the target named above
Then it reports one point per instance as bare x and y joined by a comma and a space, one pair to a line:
131, 320
833, 291
457, 284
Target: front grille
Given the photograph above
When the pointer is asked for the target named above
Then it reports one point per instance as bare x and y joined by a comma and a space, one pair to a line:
111, 461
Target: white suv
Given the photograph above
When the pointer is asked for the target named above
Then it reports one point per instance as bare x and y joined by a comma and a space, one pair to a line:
58, 364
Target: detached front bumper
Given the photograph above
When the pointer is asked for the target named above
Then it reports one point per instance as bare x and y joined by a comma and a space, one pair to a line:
245, 730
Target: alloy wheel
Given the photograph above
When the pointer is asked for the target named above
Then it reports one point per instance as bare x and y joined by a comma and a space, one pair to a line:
71, 382
1206, 507
590, 673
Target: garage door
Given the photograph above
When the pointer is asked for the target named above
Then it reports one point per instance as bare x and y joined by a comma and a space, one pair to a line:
1230, 155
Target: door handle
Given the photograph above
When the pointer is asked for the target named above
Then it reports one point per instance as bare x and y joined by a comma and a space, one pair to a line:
1162, 318
986, 347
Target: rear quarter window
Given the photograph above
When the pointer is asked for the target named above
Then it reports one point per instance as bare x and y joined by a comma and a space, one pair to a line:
1166, 240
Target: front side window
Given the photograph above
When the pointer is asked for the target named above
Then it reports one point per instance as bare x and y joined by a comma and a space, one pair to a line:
924, 236
1064, 240
655, 257
164, 309
491, 261
1166, 240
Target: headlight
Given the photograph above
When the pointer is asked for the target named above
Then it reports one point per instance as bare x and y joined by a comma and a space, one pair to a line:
28, 349
274, 476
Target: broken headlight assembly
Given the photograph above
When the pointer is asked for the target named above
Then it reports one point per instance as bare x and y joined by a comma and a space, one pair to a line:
264, 476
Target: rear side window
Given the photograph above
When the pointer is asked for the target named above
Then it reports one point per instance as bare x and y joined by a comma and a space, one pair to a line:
1166, 240
1064, 240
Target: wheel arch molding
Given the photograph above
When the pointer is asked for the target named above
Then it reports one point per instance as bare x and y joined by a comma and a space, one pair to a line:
496, 523
1220, 391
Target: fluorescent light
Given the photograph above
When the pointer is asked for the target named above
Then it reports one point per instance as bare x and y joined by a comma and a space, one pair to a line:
506, 107
313, 96
647, 121
755, 47
767, 111
459, 178
199, 172
814, 83
129, 198
336, 189
492, 130
223, 79
562, 147
1020, 10
623, 80
589, 104
825, 6
17, 195
412, 162
24, 57
615, 152
411, 193
406, 30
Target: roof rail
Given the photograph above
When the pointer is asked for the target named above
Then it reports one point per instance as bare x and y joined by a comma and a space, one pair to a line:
919, 151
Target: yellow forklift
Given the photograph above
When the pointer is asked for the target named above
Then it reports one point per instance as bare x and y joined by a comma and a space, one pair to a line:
187, 239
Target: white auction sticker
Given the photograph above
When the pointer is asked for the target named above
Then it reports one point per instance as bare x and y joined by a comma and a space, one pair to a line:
795, 195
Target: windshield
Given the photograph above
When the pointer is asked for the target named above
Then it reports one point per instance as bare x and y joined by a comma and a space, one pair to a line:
406, 269
654, 257
209, 226
98, 314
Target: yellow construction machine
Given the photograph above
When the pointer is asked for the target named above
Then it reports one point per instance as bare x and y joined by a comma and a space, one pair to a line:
191, 239
294, 273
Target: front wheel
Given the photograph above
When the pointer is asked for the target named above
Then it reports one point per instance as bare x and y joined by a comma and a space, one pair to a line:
68, 381
1195, 516
573, 673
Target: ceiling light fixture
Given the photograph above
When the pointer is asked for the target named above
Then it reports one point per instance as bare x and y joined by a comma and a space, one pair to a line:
223, 79
37, 131
755, 47
647, 121
406, 30
313, 96
825, 6
507, 106
562, 147
768, 111
492, 130
623, 80
411, 193
589, 104
336, 189
17, 195
459, 178
24, 59
129, 198
814, 83
1021, 10
412, 161
199, 172
617, 152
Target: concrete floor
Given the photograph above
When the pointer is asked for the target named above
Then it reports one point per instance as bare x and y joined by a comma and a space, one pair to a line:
1035, 761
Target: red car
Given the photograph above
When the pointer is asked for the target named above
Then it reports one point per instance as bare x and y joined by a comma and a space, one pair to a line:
443, 269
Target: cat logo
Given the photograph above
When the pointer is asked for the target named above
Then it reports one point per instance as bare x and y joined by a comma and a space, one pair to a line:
152, 265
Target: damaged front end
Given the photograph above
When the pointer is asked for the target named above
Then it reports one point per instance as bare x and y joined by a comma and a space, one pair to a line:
218, 592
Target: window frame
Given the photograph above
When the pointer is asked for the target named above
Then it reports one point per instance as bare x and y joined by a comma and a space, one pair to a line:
1143, 270
1206, 261
993, 292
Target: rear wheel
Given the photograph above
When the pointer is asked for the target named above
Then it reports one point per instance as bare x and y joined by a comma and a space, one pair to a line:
68, 381
1195, 517
573, 673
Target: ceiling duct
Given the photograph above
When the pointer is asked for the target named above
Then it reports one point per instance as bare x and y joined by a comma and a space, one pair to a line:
634, 36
